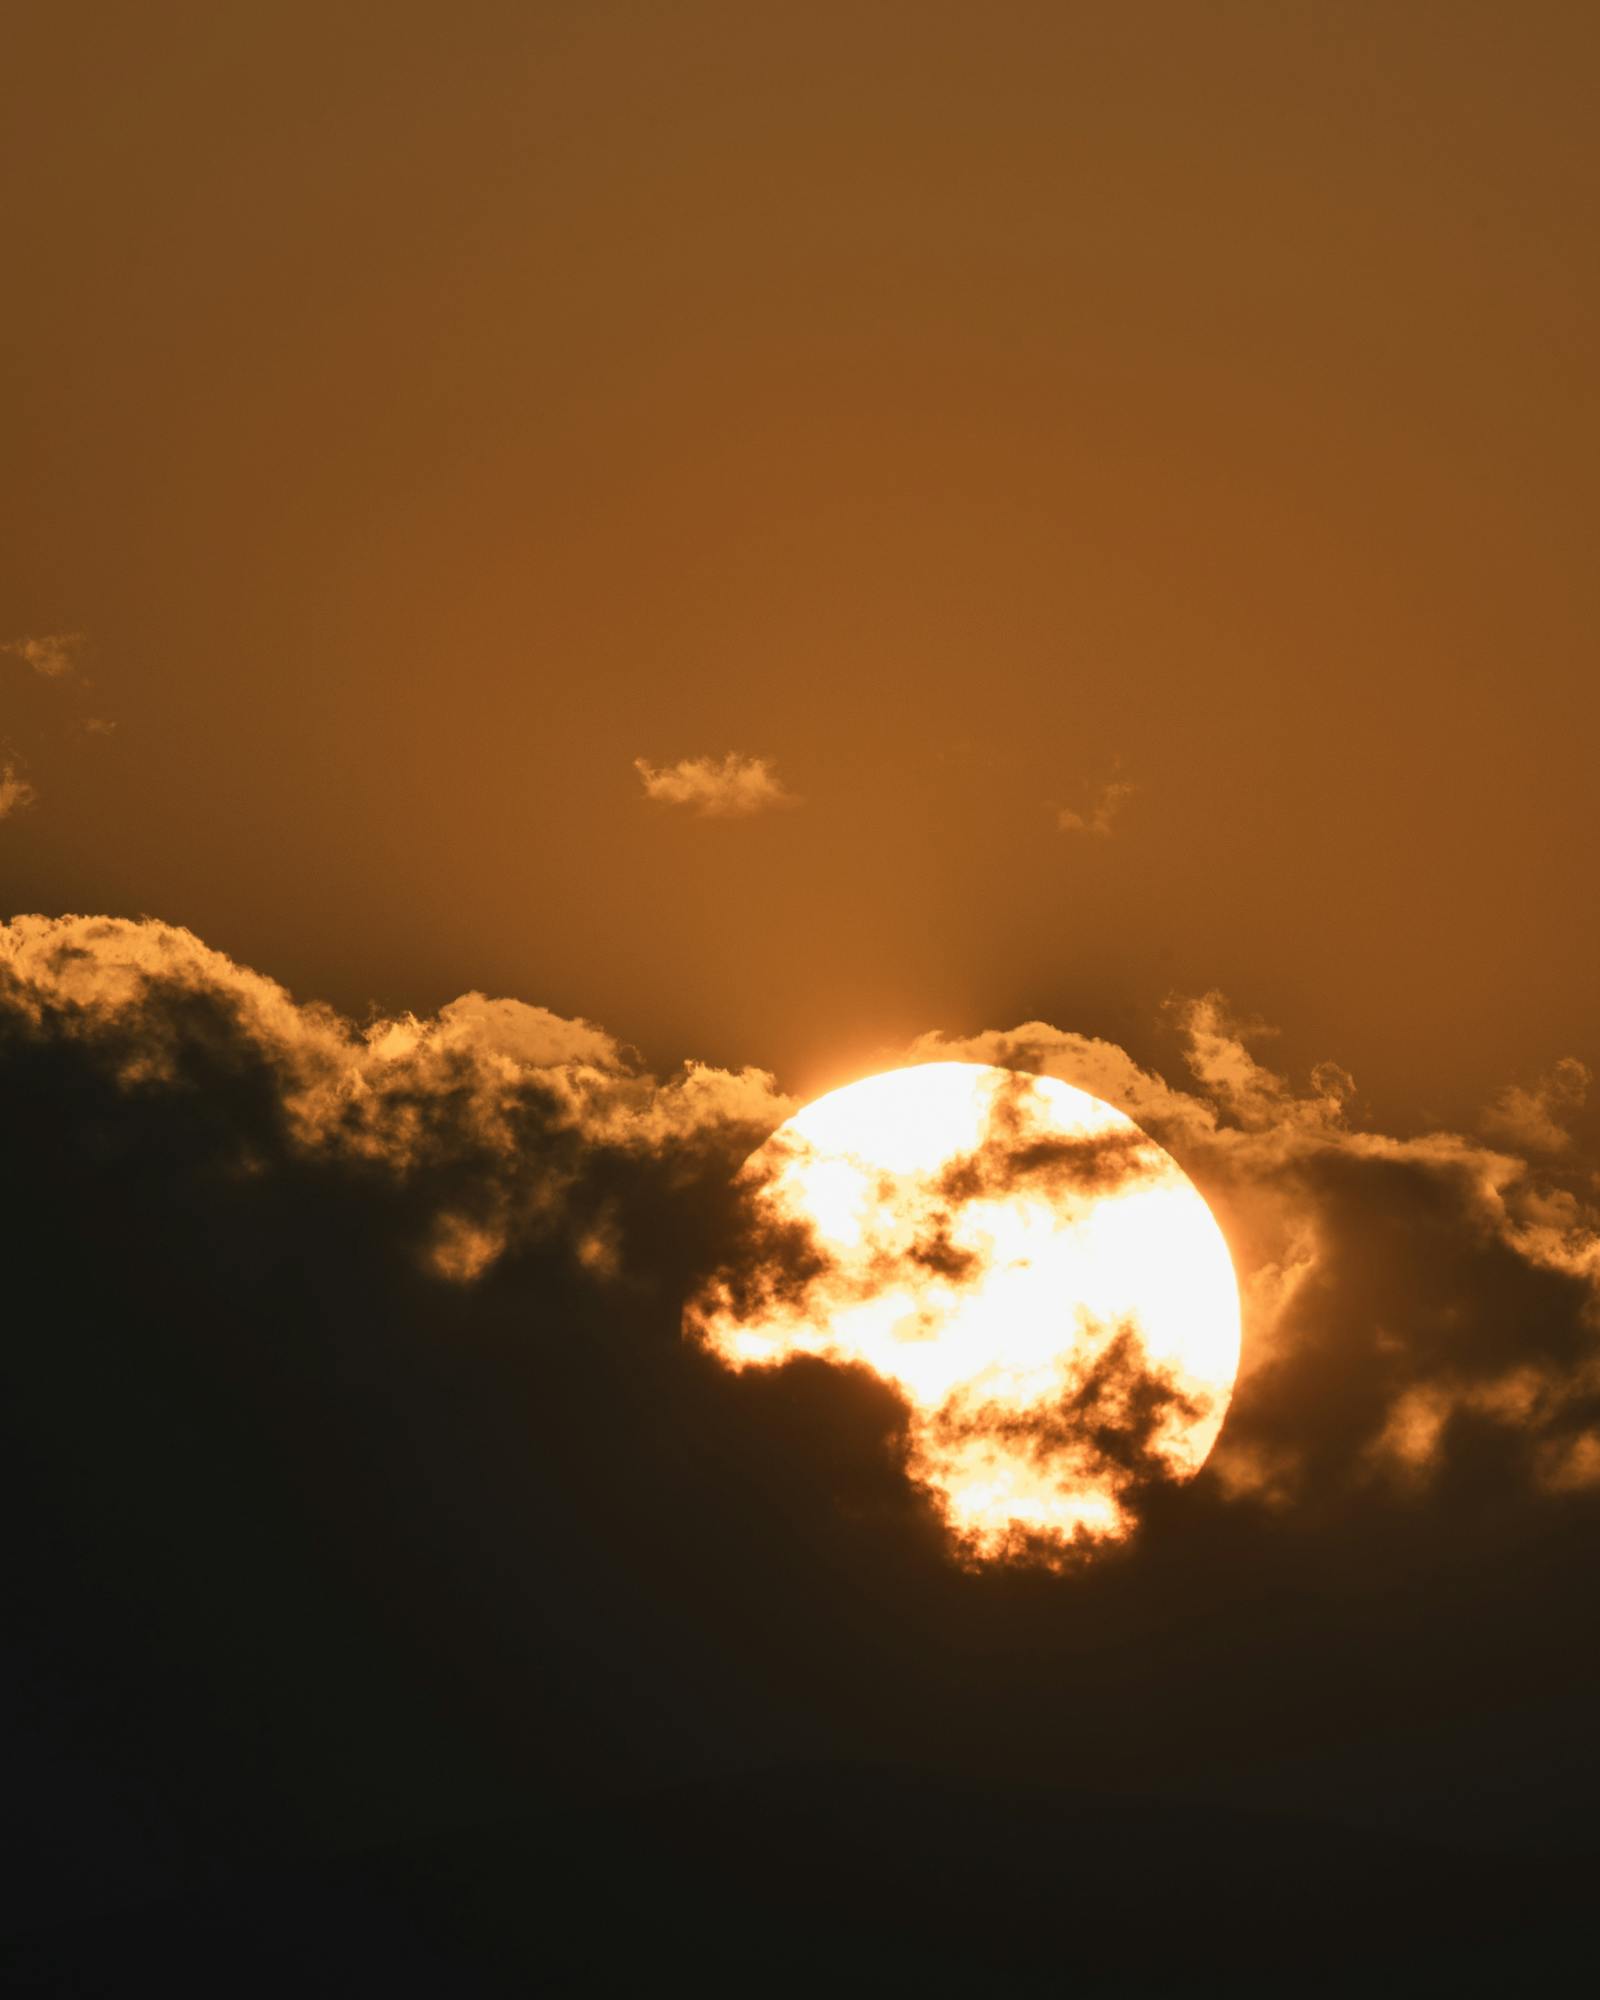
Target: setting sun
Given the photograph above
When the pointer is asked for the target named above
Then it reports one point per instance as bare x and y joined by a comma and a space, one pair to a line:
1038, 1278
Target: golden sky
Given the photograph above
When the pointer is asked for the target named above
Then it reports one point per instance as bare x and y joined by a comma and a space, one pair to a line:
961, 411
573, 576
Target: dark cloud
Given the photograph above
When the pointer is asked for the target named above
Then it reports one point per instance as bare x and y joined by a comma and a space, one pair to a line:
1110, 1424
1006, 1163
1382, 1277
386, 1565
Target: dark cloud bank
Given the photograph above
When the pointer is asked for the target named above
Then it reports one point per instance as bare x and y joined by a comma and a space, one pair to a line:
398, 1602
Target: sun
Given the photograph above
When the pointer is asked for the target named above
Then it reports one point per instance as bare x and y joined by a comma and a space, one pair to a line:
1039, 1280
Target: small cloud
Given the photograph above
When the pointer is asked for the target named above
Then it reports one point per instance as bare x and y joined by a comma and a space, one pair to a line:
1101, 816
15, 791
732, 788
1573, 1464
1535, 1118
47, 656
1410, 1439
462, 1249
49, 653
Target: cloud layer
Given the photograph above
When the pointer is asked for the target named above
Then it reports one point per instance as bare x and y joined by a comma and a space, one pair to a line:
349, 1414
497, 1115
1450, 1283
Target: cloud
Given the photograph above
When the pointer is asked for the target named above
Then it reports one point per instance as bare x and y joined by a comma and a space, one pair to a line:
51, 653
1100, 818
1408, 1301
350, 1416
1533, 1118
16, 794
1405, 1298
733, 788
496, 1115
52, 657
976, 1236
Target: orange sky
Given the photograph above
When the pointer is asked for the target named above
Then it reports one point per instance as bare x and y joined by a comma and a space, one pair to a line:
425, 414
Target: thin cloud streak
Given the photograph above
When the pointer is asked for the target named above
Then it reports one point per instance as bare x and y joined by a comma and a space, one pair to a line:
1410, 1304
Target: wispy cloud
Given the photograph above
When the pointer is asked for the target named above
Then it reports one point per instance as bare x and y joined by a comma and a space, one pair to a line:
732, 787
44, 718
49, 653
1101, 815
15, 791
1535, 1118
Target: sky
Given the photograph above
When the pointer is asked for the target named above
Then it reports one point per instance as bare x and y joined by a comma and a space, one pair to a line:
544, 544
425, 418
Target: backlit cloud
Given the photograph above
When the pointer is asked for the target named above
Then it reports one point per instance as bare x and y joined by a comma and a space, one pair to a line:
1028, 1269
732, 787
356, 1351
501, 1120
1411, 1305
1451, 1288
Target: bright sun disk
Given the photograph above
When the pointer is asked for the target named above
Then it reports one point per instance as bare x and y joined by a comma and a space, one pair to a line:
1039, 1280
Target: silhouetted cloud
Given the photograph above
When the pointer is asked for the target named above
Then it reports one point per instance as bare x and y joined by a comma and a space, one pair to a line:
1458, 1279
357, 1475
492, 1105
943, 1272
1453, 1277
732, 787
